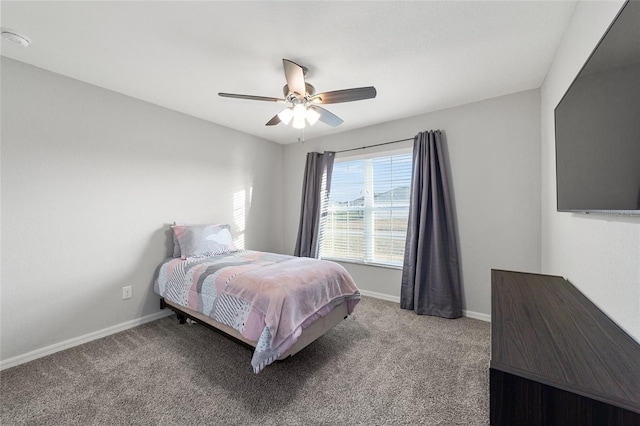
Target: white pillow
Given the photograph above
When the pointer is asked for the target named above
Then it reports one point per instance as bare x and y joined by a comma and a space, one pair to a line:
203, 240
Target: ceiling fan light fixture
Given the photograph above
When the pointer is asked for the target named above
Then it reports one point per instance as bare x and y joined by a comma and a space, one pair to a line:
285, 115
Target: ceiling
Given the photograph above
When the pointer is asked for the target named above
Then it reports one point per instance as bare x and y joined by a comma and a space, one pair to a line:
421, 56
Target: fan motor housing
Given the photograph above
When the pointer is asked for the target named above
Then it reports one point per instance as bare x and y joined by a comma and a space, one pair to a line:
308, 87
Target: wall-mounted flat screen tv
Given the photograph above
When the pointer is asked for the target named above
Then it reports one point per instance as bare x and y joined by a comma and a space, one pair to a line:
597, 125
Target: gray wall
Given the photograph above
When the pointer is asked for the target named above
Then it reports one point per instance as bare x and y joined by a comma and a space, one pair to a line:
90, 180
599, 254
494, 154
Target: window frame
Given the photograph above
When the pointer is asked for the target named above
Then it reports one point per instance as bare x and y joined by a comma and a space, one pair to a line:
368, 254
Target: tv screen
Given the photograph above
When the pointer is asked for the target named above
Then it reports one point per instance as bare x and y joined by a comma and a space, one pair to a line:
597, 125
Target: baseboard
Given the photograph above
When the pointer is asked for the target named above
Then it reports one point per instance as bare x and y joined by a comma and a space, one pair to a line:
382, 296
57, 347
396, 299
477, 315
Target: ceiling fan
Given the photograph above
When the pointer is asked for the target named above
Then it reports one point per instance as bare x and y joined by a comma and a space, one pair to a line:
304, 100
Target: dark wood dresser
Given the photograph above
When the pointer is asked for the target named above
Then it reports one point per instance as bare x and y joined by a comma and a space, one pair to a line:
556, 359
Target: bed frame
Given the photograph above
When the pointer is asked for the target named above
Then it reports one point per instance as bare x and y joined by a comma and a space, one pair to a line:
309, 334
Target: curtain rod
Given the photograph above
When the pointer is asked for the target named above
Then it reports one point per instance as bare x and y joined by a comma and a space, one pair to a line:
378, 144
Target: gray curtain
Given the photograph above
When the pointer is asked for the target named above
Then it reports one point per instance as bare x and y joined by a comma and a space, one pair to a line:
430, 274
315, 187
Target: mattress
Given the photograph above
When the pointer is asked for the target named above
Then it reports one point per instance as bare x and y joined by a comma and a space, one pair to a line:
267, 299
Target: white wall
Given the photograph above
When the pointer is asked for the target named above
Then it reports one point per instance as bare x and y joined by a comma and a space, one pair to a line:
600, 255
90, 180
494, 155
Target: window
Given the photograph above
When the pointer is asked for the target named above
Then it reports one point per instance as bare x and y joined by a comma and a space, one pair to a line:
367, 210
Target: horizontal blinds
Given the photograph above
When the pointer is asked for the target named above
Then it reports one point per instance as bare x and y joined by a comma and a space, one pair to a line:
365, 218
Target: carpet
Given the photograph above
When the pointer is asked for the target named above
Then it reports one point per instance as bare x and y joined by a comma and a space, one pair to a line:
381, 366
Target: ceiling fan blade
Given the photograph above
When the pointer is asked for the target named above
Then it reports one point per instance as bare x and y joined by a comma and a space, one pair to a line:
346, 95
251, 97
294, 74
327, 117
275, 120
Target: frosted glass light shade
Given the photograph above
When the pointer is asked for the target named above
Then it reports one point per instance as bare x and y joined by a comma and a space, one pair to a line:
285, 115
299, 114
312, 116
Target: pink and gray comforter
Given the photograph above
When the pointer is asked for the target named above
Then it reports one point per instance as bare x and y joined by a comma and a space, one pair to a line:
268, 298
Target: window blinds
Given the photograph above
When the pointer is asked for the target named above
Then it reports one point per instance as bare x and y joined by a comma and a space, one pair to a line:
365, 219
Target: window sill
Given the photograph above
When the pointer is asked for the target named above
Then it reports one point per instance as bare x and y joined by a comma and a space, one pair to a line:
355, 262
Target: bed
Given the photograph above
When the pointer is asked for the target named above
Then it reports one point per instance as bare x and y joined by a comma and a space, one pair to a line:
273, 303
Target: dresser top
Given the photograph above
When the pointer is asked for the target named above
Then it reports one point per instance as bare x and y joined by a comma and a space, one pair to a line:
545, 329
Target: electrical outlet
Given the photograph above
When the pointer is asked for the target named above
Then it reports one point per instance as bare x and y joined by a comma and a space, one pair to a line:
126, 292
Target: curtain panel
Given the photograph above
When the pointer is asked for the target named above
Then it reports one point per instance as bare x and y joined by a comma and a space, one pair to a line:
430, 274
315, 191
